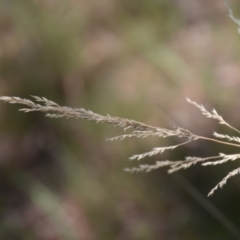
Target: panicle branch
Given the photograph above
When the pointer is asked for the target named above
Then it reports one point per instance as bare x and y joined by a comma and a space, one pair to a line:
53, 110
231, 15
212, 114
229, 138
224, 180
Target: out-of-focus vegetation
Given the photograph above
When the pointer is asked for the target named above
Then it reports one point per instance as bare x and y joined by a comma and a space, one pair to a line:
135, 59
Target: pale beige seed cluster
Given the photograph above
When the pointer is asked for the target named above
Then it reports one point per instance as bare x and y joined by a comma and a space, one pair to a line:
141, 130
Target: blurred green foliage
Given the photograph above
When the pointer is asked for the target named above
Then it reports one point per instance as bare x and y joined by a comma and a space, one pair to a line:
135, 59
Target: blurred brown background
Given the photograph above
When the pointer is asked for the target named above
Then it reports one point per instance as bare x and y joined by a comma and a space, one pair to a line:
60, 179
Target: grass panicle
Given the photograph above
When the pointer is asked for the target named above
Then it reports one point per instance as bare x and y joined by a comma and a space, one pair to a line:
141, 130
231, 15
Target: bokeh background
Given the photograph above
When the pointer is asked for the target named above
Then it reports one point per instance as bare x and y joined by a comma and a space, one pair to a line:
60, 179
